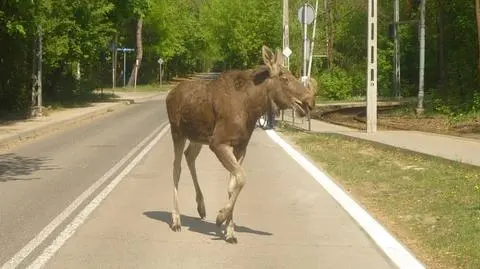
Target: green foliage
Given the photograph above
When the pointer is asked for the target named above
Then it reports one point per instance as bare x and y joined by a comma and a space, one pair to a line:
214, 35
335, 84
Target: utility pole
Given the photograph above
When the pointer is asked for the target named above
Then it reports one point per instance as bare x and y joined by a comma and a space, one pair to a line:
286, 40
372, 67
421, 75
305, 43
396, 20
313, 40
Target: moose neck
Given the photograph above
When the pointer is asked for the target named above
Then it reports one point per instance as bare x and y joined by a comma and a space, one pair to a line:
259, 99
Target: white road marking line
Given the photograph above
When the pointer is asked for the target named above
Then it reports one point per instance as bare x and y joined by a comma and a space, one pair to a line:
83, 215
386, 242
18, 258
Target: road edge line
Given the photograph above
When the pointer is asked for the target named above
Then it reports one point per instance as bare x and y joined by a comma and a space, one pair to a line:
23, 253
71, 228
394, 250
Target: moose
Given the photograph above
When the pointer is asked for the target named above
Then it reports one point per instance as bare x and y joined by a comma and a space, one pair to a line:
222, 114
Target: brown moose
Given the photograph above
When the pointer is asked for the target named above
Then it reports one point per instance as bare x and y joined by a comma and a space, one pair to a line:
222, 114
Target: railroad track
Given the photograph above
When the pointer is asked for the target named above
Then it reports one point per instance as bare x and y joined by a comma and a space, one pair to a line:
352, 117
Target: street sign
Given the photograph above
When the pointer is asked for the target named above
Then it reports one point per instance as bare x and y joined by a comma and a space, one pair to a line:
160, 61
309, 16
287, 52
125, 49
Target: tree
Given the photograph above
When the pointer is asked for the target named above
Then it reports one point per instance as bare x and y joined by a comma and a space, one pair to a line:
140, 9
477, 15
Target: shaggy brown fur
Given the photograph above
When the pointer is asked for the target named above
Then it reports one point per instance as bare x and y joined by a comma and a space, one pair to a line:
222, 114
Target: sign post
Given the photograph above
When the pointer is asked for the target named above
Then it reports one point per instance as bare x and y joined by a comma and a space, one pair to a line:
306, 16
124, 50
160, 62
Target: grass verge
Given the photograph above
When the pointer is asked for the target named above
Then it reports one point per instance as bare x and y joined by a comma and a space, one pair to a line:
143, 88
431, 204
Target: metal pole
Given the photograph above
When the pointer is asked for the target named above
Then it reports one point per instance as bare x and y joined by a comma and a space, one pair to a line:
422, 58
161, 74
396, 37
114, 52
286, 41
372, 67
124, 68
313, 40
304, 40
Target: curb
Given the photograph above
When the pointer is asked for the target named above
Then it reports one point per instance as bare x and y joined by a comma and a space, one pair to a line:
51, 127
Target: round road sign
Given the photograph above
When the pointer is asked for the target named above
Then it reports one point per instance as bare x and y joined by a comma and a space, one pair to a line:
310, 14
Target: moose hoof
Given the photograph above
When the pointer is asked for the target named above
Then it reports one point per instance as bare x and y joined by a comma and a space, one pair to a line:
201, 210
176, 224
176, 228
231, 239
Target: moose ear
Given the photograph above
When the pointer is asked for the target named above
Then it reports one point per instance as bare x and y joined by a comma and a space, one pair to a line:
270, 61
267, 55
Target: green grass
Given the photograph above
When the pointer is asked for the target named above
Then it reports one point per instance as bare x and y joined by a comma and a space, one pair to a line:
143, 88
431, 204
323, 100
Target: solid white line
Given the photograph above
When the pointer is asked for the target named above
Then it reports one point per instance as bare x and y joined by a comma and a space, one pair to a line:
40, 237
389, 245
83, 215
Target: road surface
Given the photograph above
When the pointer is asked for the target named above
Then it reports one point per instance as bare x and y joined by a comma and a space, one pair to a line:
85, 198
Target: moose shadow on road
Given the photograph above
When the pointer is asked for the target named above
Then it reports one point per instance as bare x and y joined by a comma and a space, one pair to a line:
200, 226
15, 167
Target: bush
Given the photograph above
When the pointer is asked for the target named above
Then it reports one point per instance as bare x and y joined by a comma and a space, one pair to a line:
335, 84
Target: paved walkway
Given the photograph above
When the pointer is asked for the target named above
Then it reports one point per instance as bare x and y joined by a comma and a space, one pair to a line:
12, 132
449, 147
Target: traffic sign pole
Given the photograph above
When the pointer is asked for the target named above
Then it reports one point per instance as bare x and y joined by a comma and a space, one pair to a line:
124, 50
160, 62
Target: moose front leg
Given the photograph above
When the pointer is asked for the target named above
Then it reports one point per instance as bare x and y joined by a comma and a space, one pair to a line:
178, 145
230, 234
228, 159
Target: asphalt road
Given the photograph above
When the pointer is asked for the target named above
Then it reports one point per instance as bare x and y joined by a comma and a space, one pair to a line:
50, 216
40, 179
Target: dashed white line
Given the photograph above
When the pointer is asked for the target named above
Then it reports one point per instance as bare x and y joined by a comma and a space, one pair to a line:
398, 254
20, 256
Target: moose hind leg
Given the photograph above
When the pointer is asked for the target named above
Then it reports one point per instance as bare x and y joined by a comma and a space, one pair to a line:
191, 154
178, 145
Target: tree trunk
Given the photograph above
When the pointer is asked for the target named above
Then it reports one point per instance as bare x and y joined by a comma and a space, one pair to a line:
441, 50
136, 65
477, 12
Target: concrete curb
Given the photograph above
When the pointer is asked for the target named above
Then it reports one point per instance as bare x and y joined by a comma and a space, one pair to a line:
62, 124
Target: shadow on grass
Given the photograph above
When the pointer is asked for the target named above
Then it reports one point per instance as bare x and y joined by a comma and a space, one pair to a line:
15, 167
83, 100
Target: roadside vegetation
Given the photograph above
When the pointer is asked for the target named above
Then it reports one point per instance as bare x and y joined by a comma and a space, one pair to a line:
78, 39
430, 204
